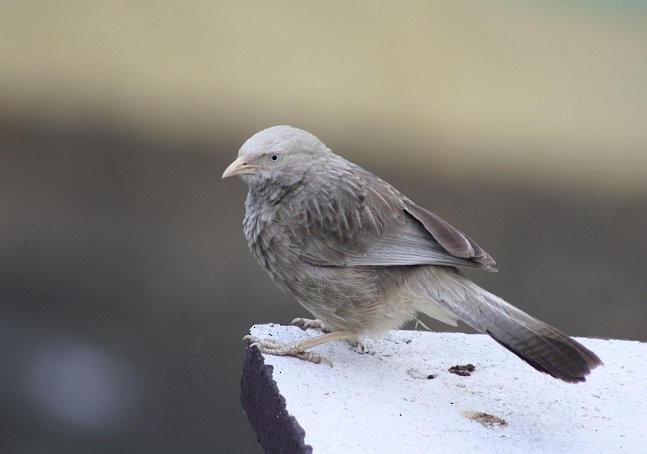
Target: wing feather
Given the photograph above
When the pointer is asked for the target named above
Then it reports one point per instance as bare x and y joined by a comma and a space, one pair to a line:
369, 223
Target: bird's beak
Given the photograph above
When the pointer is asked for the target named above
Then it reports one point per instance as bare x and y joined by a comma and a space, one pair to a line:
239, 167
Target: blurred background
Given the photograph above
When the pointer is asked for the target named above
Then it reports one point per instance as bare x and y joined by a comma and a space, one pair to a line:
125, 282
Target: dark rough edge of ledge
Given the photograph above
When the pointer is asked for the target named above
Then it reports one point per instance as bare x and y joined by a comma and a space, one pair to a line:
264, 406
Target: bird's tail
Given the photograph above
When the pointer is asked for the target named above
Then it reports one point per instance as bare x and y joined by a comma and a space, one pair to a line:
542, 346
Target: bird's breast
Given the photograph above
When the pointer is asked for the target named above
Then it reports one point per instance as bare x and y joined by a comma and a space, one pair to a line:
270, 237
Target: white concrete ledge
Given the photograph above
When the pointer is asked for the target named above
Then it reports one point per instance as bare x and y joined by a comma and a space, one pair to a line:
400, 397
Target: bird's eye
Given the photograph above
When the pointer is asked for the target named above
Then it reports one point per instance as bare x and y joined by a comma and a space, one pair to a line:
274, 158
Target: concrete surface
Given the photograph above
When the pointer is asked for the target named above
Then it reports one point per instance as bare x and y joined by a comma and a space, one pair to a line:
401, 397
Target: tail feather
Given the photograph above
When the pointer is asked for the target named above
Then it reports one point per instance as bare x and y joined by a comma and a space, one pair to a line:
553, 353
542, 346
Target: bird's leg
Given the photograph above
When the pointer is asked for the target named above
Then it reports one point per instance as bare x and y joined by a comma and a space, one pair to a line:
298, 348
307, 323
421, 323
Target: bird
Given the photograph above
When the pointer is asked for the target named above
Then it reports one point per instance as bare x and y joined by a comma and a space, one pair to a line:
363, 258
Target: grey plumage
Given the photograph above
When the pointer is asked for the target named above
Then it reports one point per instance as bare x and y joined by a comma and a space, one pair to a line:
364, 258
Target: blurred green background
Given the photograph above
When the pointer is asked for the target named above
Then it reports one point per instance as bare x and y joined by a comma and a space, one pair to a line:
125, 281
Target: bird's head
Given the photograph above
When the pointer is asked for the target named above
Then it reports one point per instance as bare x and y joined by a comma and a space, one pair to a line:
277, 154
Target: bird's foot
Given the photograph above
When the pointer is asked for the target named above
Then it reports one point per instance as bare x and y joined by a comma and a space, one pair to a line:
307, 323
359, 343
296, 349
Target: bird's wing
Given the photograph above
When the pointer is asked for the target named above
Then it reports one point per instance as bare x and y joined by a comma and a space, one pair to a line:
368, 223
449, 237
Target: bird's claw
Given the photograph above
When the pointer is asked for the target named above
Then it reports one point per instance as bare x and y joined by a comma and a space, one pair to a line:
359, 344
261, 344
307, 323
272, 347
